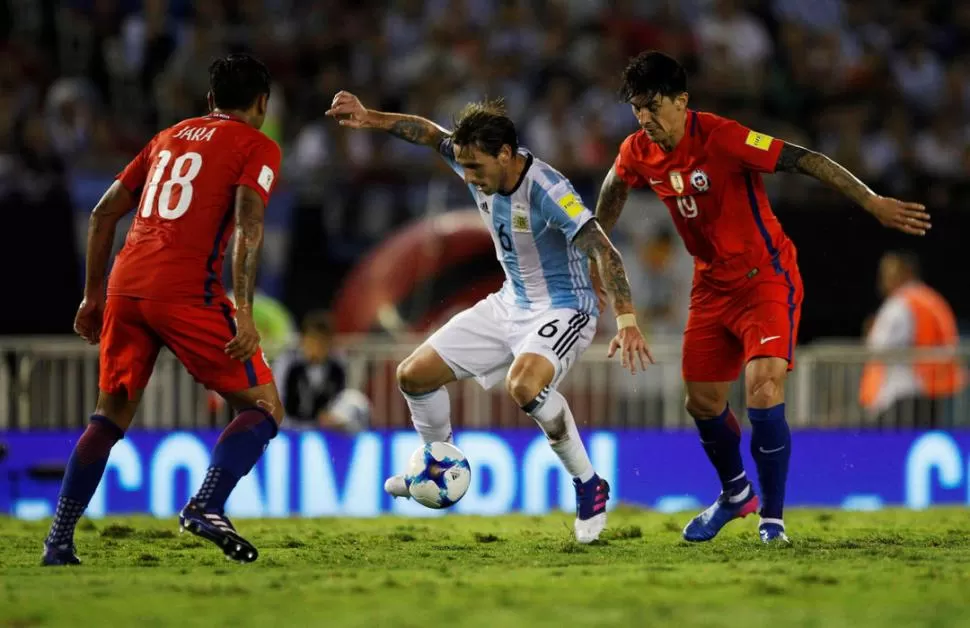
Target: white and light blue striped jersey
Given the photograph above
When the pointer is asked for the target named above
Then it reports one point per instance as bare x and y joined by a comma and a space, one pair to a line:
533, 229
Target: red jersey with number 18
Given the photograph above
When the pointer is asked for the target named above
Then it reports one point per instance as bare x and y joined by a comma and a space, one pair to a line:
188, 174
711, 183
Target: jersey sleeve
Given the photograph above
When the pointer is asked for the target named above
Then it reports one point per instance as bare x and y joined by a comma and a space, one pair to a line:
135, 174
261, 168
447, 150
625, 165
749, 149
562, 208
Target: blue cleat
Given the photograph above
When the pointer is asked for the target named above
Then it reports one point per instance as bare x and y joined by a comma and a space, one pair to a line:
58, 555
773, 533
706, 525
591, 498
216, 527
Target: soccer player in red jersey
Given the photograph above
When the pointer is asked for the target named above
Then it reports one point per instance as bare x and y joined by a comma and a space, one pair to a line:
191, 186
747, 292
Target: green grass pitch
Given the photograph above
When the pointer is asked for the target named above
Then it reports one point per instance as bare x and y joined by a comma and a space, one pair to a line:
888, 568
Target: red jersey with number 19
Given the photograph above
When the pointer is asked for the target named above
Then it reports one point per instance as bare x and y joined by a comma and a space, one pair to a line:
188, 174
711, 183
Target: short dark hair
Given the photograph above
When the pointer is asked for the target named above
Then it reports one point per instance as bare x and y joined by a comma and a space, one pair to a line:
908, 259
318, 322
486, 126
237, 80
651, 73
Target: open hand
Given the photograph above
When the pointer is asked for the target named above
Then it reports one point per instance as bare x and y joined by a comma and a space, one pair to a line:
631, 344
911, 218
348, 110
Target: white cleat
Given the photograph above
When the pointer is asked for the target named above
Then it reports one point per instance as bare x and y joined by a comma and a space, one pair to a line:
395, 487
589, 530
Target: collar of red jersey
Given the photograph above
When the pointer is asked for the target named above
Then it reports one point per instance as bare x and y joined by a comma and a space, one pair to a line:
224, 116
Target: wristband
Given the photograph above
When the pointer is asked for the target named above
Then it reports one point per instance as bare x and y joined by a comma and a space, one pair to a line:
626, 320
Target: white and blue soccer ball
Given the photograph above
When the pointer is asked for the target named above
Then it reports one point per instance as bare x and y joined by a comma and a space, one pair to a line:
437, 475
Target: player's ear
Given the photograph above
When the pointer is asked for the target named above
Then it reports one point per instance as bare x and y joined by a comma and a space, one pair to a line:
210, 100
262, 104
681, 100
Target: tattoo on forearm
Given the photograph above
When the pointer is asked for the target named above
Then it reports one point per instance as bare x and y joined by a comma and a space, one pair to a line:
609, 205
593, 242
794, 158
417, 131
246, 251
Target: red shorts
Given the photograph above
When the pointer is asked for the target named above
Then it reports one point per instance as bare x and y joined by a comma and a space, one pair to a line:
727, 330
135, 330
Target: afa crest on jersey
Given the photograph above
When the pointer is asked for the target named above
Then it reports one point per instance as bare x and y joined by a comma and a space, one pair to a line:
699, 180
677, 182
520, 218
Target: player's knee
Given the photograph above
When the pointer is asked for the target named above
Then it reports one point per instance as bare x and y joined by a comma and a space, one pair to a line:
765, 391
410, 378
704, 405
522, 387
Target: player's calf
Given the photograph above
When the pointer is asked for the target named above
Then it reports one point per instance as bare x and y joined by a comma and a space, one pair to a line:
84, 471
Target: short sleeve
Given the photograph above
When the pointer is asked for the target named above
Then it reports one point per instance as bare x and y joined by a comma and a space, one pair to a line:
625, 165
749, 149
261, 167
447, 150
135, 174
562, 208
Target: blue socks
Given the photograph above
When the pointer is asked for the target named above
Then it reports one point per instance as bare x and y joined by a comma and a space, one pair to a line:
721, 439
238, 450
84, 470
771, 450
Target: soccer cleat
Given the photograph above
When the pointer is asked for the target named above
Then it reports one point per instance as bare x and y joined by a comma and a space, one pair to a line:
216, 527
706, 525
591, 498
57, 555
396, 487
773, 533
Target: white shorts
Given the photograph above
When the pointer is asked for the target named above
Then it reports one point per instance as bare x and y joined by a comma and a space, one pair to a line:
482, 341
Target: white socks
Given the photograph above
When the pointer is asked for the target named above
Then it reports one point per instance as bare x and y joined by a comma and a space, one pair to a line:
431, 415
556, 420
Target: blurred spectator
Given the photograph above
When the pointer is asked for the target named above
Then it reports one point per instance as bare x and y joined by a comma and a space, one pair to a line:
313, 382
908, 392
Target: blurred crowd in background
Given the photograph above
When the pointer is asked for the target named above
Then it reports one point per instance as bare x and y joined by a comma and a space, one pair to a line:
882, 86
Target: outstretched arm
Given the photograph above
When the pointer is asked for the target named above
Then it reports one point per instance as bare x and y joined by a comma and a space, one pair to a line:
348, 111
609, 206
592, 241
909, 218
612, 198
629, 340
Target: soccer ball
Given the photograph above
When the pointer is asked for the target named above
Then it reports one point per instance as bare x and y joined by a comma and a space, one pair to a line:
437, 475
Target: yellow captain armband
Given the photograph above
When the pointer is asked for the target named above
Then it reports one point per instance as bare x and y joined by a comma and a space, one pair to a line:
626, 320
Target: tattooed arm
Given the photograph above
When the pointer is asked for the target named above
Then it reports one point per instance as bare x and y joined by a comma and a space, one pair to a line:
909, 218
613, 195
592, 241
349, 111
628, 340
609, 206
245, 264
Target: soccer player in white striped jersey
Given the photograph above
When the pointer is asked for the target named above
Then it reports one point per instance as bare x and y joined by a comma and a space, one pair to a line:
535, 328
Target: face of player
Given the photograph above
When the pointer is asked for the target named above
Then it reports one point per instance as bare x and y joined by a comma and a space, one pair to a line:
661, 117
892, 274
489, 174
316, 347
